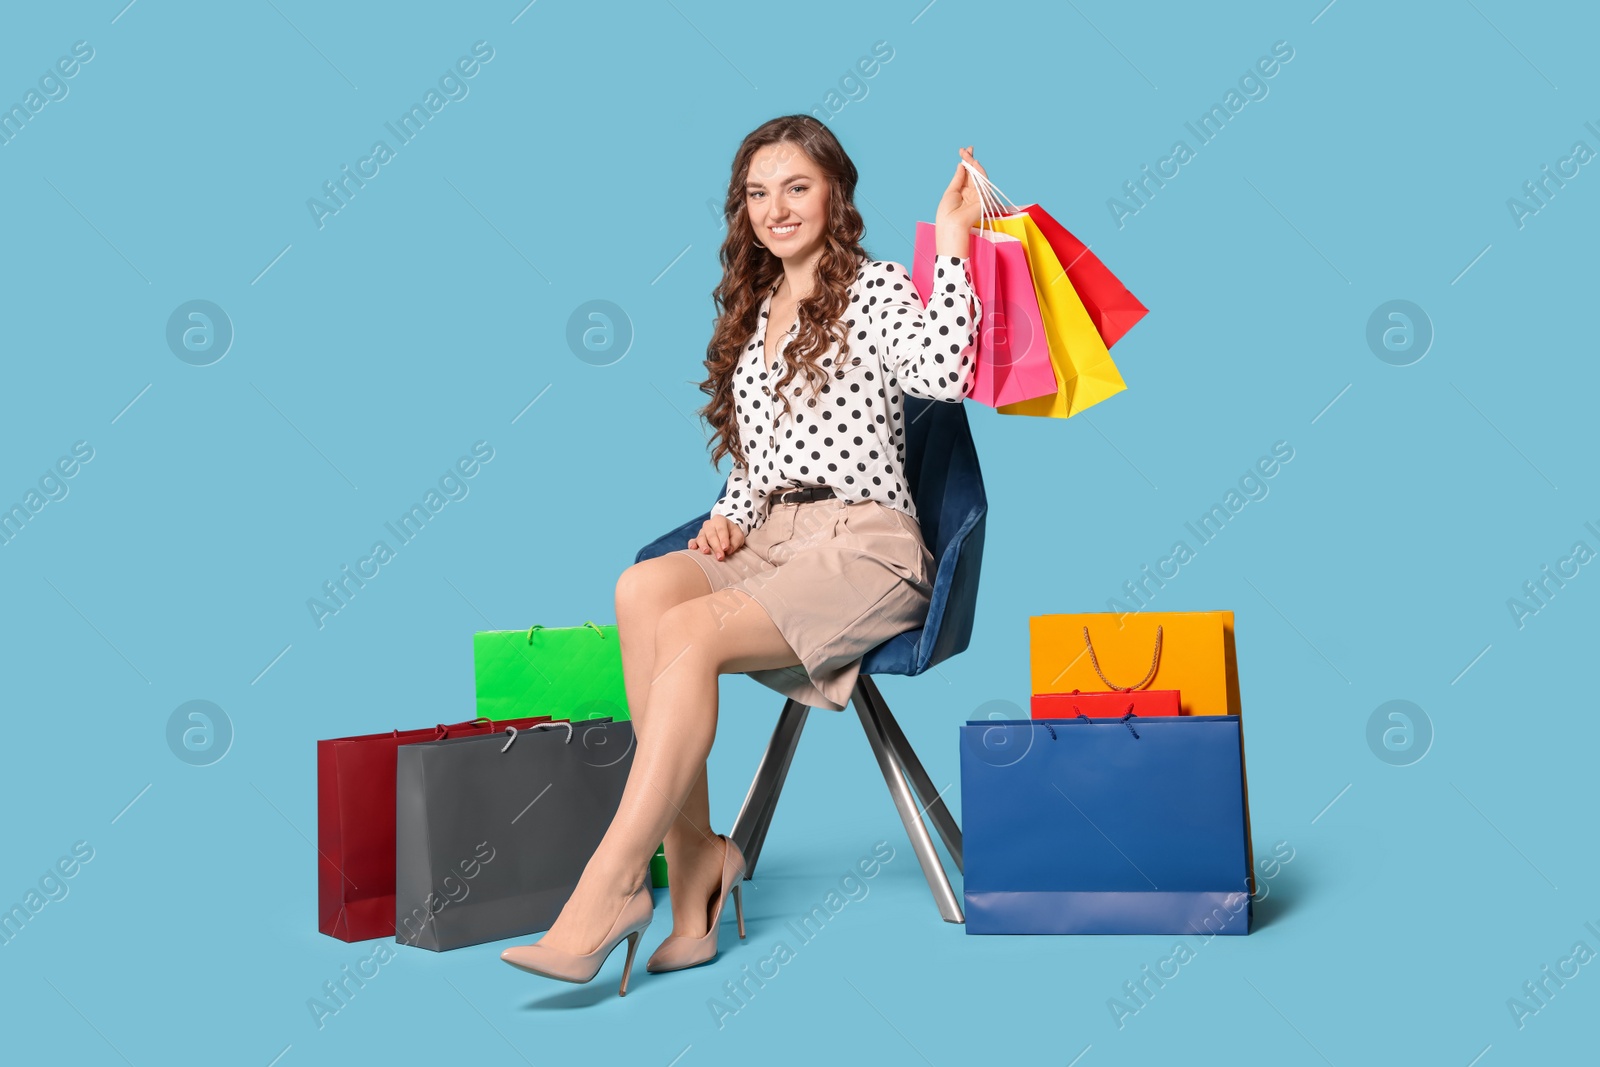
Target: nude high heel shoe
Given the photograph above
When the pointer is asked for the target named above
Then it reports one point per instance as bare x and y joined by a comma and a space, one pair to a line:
676, 952
631, 923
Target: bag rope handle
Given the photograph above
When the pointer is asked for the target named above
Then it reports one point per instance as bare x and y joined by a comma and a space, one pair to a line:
991, 203
1123, 720
989, 206
1155, 658
442, 730
540, 626
512, 731
992, 190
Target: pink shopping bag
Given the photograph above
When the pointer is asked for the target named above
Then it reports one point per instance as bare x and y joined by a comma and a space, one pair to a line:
1013, 354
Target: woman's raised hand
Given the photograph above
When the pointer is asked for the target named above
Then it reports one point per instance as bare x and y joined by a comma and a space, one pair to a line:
718, 535
961, 207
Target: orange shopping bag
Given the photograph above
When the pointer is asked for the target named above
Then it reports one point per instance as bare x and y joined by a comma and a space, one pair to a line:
1195, 655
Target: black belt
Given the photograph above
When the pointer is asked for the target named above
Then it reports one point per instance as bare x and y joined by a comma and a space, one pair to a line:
800, 496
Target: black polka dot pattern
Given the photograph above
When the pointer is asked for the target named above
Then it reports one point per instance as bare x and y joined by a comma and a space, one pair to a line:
850, 434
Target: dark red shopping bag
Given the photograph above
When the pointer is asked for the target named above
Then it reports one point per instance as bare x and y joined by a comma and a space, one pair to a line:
1111, 308
1105, 705
356, 821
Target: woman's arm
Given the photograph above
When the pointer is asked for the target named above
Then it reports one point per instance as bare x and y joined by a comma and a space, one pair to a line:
735, 504
932, 351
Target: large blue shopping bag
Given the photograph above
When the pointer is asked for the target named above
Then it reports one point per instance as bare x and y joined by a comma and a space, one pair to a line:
1105, 826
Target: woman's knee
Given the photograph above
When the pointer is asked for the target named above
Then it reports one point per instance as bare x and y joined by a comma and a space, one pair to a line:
653, 585
641, 593
633, 585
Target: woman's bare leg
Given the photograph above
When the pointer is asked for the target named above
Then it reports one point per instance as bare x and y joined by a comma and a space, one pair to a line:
694, 856
696, 641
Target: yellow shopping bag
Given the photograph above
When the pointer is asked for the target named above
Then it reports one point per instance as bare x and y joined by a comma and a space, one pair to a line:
1190, 651
1085, 374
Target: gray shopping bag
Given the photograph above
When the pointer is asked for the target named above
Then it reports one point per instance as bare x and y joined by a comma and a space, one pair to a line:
493, 830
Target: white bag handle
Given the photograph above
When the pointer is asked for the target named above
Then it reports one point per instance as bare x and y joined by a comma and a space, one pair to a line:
512, 730
991, 192
989, 207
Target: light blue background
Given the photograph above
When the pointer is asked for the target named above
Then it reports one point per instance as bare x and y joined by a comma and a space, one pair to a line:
429, 312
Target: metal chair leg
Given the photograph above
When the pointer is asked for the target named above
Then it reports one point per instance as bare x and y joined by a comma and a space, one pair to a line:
755, 814
932, 803
894, 775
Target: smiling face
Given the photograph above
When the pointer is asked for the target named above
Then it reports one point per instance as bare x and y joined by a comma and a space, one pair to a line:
786, 198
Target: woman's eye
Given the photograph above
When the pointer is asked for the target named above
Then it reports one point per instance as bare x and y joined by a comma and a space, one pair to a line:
799, 187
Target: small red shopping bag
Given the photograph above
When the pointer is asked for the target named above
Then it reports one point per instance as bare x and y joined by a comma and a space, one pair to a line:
1141, 702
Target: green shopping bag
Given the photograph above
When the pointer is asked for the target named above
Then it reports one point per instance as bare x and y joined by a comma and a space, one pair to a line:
573, 672
570, 672
658, 867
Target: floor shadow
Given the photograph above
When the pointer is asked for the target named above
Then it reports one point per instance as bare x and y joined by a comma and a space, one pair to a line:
603, 988
756, 928
1284, 894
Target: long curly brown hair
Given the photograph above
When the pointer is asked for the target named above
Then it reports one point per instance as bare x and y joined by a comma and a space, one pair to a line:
749, 270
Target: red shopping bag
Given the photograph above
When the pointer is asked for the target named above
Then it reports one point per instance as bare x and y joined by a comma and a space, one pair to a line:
1013, 354
356, 825
1141, 702
1111, 308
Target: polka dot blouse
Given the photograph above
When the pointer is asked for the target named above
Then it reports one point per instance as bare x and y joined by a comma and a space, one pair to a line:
853, 438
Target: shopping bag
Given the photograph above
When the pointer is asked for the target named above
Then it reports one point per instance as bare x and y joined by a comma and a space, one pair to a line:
658, 867
1111, 308
566, 672
1082, 365
1013, 356
1190, 651
1084, 371
1142, 702
355, 827
493, 831
572, 672
1099, 826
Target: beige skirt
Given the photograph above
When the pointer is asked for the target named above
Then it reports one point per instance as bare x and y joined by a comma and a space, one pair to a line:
838, 579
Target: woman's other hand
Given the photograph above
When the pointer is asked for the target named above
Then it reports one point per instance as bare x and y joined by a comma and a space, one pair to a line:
718, 536
960, 209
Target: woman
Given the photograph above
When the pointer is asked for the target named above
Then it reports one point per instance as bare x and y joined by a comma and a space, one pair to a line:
812, 556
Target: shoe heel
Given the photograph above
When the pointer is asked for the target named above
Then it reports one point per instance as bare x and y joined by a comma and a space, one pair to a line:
738, 909
627, 966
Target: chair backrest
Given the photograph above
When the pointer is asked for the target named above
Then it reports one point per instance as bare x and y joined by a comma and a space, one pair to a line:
941, 468
947, 485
